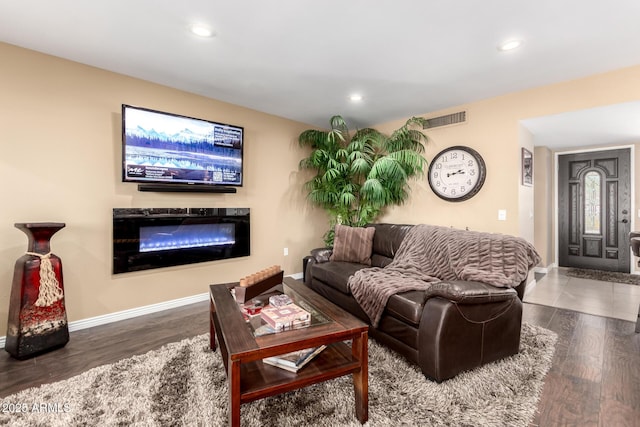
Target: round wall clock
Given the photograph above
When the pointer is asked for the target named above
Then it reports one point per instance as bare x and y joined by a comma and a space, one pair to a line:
457, 173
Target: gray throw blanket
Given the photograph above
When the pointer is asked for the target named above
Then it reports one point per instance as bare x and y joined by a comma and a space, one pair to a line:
431, 254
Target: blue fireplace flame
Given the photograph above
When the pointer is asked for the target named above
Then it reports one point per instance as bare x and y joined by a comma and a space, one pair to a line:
185, 236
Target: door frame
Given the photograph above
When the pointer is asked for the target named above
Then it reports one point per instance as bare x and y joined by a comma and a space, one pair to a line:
632, 164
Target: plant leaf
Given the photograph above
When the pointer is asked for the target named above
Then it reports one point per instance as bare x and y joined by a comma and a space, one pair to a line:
358, 176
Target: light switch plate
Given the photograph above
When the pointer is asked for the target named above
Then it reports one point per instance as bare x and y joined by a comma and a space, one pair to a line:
502, 214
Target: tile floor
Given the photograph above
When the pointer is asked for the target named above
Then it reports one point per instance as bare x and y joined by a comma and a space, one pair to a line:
608, 299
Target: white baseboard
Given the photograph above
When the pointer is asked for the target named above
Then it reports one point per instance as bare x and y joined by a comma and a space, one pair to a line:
546, 269
532, 284
135, 312
128, 314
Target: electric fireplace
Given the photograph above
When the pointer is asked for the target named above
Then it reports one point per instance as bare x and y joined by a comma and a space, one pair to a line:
146, 238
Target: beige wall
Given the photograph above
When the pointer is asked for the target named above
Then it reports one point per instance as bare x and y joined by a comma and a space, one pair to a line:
544, 184
60, 130
497, 142
493, 130
60, 127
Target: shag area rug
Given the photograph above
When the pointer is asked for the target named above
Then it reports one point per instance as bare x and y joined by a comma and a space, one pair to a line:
184, 384
605, 276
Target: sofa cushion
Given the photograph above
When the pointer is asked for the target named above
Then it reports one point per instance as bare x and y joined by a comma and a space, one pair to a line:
388, 238
353, 244
406, 306
336, 274
380, 260
399, 329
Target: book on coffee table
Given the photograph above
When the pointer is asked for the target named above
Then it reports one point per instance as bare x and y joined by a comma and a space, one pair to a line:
295, 360
288, 316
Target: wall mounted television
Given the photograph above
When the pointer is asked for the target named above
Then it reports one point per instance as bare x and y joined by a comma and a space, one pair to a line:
165, 148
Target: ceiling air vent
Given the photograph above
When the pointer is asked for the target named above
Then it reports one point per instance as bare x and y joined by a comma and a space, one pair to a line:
449, 119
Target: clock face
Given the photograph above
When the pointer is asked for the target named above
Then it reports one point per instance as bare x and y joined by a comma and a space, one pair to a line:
457, 173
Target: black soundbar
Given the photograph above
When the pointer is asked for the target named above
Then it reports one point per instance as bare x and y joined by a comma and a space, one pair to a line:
185, 188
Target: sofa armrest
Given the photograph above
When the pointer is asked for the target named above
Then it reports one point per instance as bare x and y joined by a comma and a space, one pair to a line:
306, 269
318, 255
321, 254
469, 292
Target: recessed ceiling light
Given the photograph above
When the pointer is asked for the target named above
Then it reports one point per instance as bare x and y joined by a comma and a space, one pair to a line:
510, 45
355, 97
202, 30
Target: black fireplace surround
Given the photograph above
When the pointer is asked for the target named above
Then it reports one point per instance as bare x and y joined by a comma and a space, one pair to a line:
146, 238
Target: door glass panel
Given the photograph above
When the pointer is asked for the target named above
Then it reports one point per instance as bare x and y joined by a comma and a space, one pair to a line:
592, 203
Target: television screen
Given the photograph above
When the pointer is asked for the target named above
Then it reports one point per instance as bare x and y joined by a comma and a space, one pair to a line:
160, 147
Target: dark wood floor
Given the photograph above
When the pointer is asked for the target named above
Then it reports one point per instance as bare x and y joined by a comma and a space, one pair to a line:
595, 377
102, 345
594, 380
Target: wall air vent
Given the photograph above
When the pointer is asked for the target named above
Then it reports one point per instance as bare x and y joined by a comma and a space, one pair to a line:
449, 119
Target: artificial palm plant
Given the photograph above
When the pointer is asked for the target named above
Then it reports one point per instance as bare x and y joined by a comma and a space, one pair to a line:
359, 174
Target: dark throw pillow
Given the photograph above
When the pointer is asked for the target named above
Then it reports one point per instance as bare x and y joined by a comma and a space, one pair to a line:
353, 244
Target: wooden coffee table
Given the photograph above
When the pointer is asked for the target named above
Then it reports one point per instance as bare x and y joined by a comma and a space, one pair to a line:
242, 352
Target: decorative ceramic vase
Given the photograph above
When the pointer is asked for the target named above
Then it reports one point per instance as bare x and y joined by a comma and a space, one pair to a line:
37, 316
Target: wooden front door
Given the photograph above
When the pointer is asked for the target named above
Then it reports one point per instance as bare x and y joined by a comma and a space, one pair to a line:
594, 210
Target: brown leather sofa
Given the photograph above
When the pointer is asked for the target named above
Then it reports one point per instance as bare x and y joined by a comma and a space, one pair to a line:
452, 327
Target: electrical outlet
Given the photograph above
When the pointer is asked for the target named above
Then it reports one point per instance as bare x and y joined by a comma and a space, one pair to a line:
502, 214
286, 251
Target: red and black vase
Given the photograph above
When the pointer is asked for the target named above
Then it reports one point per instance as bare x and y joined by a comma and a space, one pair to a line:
37, 315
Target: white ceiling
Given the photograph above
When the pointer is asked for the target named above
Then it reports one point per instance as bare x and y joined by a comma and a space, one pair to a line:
301, 59
612, 124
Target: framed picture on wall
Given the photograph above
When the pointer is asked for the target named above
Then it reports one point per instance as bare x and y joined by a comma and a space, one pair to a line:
527, 167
